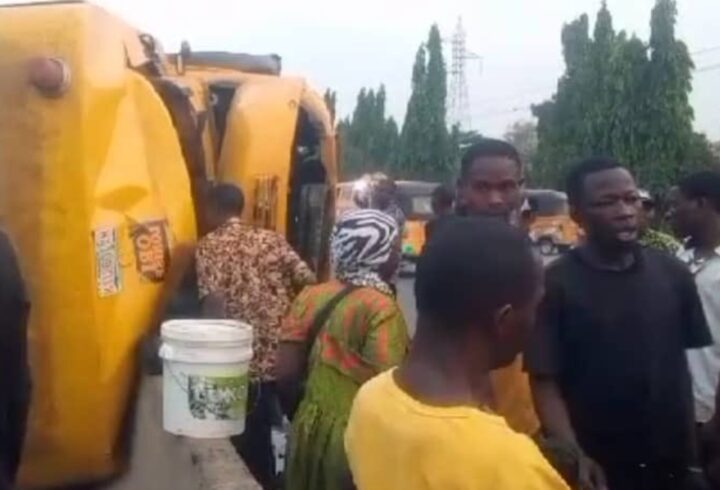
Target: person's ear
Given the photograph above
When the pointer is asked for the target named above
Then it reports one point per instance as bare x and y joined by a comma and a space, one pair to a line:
503, 318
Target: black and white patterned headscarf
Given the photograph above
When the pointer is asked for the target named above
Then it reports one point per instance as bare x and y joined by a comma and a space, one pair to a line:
361, 243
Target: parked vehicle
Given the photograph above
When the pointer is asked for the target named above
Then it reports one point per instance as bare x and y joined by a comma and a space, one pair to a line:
549, 223
416, 201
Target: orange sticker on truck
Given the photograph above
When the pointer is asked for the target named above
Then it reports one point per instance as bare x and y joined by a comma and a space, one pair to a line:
152, 250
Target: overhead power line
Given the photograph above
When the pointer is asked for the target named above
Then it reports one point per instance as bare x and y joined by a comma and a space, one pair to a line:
707, 68
524, 108
710, 49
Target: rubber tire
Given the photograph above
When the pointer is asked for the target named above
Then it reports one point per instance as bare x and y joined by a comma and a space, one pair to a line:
547, 247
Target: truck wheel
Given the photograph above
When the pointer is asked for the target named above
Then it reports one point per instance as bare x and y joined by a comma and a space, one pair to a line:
546, 246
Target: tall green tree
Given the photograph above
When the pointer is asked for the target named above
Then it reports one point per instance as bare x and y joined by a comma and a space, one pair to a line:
423, 148
668, 88
622, 97
436, 95
370, 140
414, 128
427, 150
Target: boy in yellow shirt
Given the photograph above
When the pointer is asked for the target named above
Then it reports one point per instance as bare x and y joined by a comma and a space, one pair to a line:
423, 426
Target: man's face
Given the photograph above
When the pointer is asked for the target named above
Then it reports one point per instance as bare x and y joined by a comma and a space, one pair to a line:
610, 209
492, 187
686, 215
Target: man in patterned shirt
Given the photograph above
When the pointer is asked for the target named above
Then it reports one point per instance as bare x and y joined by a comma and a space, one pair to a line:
252, 275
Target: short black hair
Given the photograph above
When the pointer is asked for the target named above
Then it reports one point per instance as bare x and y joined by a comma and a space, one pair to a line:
475, 266
488, 147
702, 185
228, 198
443, 195
575, 181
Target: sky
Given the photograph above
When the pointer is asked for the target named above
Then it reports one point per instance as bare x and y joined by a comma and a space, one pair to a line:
349, 45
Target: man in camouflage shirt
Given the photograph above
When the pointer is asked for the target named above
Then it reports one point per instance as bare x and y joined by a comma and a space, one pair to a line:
648, 236
252, 275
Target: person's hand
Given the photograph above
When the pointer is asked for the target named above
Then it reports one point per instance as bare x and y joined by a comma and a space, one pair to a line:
592, 476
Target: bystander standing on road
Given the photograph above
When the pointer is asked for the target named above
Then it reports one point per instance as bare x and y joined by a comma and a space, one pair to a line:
607, 358
443, 200
491, 183
428, 425
14, 371
695, 214
253, 275
649, 236
343, 332
384, 197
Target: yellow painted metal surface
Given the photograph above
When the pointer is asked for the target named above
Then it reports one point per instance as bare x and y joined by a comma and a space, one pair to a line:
95, 196
262, 114
258, 140
200, 100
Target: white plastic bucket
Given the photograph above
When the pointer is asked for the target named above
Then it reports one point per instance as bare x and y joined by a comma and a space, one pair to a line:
205, 377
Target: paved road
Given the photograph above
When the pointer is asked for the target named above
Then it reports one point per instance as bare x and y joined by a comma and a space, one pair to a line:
406, 297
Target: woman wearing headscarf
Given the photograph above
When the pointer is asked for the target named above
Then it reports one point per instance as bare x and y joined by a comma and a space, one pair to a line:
337, 336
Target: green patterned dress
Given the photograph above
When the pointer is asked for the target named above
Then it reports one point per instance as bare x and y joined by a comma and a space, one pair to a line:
365, 335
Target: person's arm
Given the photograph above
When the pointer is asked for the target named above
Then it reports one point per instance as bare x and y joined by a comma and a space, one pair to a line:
294, 267
551, 409
291, 355
544, 363
387, 340
696, 334
209, 276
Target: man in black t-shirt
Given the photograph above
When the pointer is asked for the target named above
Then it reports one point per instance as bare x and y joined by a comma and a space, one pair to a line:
607, 359
14, 374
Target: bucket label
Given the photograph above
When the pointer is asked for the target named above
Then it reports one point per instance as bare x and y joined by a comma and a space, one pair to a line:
107, 264
217, 398
152, 250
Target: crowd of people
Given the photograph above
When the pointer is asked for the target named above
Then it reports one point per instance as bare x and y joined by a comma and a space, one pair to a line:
598, 371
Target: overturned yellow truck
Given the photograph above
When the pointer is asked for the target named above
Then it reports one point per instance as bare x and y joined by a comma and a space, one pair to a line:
106, 148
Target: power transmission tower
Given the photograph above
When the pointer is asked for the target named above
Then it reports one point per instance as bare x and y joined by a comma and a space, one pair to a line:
459, 113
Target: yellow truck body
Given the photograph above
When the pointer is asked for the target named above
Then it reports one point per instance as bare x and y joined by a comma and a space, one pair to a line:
96, 199
99, 192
